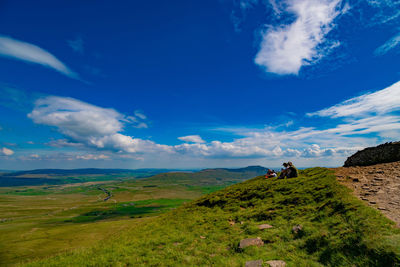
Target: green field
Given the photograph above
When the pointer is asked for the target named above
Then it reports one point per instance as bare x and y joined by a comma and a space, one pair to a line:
337, 229
41, 221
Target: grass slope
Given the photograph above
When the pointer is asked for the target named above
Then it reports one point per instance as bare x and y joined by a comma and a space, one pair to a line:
39, 221
338, 229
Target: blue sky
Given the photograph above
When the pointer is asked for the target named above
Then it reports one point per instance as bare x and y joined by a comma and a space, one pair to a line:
193, 84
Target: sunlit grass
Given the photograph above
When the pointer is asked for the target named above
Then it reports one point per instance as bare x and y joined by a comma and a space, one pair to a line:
338, 229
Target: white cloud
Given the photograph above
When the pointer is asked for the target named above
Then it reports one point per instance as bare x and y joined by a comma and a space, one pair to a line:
192, 138
63, 157
359, 122
286, 48
366, 120
389, 45
89, 125
16, 49
6, 151
92, 157
385, 11
140, 114
380, 102
63, 143
275, 6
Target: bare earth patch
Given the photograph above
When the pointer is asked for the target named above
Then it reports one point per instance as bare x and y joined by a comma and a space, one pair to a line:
377, 185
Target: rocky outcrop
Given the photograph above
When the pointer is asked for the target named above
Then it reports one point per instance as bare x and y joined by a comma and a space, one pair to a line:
378, 186
385, 153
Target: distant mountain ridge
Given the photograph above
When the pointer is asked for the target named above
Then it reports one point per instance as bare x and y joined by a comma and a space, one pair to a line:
63, 176
87, 171
256, 168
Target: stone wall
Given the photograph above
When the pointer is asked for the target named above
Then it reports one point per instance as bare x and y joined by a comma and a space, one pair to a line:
388, 152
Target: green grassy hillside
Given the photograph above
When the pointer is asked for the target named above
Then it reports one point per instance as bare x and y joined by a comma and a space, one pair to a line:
39, 221
337, 229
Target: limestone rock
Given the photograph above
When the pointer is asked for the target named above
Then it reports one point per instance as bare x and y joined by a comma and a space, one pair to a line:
244, 243
264, 226
257, 263
276, 263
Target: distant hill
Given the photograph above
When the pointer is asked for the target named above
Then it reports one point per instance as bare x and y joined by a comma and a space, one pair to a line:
62, 176
217, 176
89, 171
65, 176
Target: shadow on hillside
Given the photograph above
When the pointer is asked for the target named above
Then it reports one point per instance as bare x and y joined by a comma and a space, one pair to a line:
133, 210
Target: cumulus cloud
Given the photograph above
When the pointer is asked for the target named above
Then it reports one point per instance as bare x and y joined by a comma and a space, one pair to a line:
20, 50
363, 121
89, 125
192, 138
389, 45
380, 102
270, 143
6, 151
286, 48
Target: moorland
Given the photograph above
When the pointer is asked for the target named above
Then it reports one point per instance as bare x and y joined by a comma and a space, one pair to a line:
79, 208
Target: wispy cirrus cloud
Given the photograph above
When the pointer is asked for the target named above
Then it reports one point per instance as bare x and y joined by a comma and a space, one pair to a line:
286, 48
385, 11
388, 46
380, 102
28, 52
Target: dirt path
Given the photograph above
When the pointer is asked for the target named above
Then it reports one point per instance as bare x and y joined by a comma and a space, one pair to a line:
108, 193
377, 185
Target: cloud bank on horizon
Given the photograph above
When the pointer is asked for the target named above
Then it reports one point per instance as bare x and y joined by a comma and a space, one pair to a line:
86, 125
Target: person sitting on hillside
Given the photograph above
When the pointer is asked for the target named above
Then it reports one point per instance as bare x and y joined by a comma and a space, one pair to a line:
271, 174
289, 171
292, 171
284, 171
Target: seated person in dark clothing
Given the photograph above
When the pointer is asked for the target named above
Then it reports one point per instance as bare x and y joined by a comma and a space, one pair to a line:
292, 171
289, 171
284, 171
